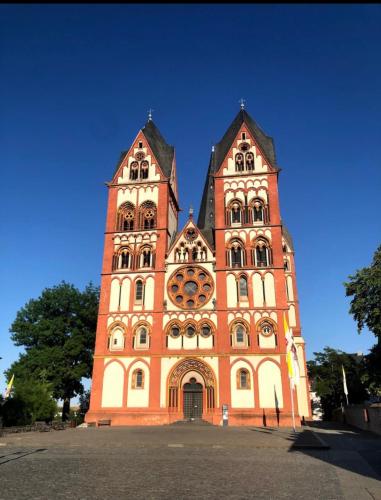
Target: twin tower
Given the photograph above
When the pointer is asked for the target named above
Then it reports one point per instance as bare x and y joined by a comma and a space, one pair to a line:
191, 321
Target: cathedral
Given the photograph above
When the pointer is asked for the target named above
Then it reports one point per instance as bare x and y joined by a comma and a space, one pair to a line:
191, 320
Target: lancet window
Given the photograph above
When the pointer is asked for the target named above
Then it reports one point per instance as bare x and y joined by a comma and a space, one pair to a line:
146, 257
122, 259
139, 292
243, 379
242, 288
234, 213
239, 335
144, 169
138, 379
141, 337
259, 211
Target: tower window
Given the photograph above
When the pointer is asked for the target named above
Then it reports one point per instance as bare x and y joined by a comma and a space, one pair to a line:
239, 336
242, 288
140, 145
139, 289
243, 136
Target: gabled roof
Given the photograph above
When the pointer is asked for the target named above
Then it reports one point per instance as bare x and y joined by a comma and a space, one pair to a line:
264, 141
190, 222
163, 152
206, 214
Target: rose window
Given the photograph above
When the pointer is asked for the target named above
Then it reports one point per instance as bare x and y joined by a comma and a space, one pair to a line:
190, 287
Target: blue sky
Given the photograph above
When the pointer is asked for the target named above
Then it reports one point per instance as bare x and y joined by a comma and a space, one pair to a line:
76, 84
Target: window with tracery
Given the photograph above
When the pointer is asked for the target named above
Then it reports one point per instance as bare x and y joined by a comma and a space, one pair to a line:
249, 161
190, 287
258, 211
234, 213
134, 171
138, 379
126, 217
148, 214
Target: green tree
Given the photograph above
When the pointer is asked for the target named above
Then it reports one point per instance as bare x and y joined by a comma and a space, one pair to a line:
31, 400
365, 288
57, 331
326, 376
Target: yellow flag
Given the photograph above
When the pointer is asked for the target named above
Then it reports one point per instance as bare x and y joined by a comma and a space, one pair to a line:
9, 387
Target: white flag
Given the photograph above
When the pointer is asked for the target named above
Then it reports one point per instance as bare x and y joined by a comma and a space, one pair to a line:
344, 381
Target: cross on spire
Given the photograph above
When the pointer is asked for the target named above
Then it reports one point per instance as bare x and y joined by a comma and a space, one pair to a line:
150, 114
242, 102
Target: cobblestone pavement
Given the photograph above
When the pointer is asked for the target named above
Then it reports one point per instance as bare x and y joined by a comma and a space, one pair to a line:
190, 461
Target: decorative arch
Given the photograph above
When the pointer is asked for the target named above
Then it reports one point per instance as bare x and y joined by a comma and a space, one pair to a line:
148, 215
261, 254
236, 254
126, 217
179, 371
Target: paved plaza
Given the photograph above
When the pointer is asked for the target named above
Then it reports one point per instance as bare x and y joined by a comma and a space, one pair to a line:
191, 461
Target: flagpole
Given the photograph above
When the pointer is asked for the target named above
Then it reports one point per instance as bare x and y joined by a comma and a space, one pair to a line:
292, 405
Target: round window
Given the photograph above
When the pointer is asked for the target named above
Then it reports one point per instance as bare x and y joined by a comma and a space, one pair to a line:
190, 287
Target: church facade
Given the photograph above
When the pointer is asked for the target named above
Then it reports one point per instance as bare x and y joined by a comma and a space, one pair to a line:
191, 321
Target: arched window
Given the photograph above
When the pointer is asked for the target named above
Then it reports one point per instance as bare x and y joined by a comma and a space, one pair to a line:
116, 339
122, 259
258, 211
139, 292
239, 163
144, 169
134, 170
206, 331
126, 217
242, 288
235, 213
190, 331
243, 379
239, 335
146, 257
237, 254
138, 379
249, 161
148, 213
175, 331
261, 253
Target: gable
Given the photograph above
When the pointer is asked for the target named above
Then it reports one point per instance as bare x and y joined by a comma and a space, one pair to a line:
188, 243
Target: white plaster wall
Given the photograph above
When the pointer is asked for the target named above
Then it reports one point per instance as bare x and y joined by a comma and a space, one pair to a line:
267, 342
125, 295
149, 293
231, 290
149, 193
190, 343
270, 385
241, 398
290, 288
174, 343
205, 342
257, 290
112, 389
138, 398
114, 295
291, 316
270, 290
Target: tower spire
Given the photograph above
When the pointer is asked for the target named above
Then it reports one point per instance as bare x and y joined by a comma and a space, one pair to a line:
242, 102
150, 111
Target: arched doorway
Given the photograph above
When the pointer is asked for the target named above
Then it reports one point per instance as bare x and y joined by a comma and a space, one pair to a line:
181, 397
192, 399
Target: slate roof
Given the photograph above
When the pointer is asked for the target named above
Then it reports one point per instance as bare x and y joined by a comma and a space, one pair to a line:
163, 152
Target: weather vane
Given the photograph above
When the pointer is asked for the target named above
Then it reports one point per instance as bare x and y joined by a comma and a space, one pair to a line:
150, 114
242, 103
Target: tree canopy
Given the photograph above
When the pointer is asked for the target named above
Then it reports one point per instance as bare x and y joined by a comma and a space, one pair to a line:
57, 331
365, 287
326, 376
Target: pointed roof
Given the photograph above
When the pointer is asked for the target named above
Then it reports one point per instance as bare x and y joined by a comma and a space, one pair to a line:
264, 141
163, 152
206, 214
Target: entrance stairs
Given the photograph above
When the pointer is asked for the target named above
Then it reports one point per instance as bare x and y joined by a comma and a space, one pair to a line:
192, 421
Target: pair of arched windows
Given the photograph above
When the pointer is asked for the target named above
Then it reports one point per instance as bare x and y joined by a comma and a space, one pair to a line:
244, 162
191, 253
260, 253
124, 258
147, 216
139, 170
238, 214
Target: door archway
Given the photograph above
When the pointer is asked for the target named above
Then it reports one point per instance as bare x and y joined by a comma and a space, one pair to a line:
192, 399
176, 396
